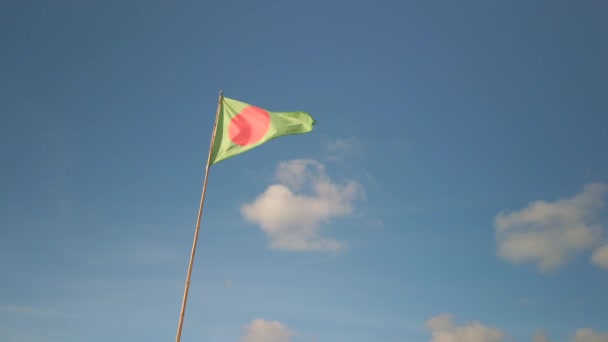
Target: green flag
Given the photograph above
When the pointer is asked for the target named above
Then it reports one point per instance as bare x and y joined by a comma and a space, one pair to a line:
241, 127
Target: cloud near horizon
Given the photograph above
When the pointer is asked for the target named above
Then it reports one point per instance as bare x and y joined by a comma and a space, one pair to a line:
548, 233
540, 336
443, 329
292, 211
260, 330
589, 335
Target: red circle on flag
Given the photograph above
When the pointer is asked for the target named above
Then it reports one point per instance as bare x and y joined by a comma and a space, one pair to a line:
249, 126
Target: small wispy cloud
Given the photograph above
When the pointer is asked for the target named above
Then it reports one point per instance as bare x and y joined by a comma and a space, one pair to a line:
540, 336
600, 256
375, 223
134, 253
338, 149
28, 310
260, 330
443, 329
589, 335
548, 233
292, 211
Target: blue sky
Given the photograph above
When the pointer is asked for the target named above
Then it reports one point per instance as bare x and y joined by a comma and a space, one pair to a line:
454, 187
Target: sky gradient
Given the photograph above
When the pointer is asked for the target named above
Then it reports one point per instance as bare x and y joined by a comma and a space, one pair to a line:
453, 190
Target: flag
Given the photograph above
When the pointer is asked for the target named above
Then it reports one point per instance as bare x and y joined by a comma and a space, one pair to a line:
241, 127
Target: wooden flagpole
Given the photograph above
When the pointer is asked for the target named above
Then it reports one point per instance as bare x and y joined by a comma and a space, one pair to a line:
198, 224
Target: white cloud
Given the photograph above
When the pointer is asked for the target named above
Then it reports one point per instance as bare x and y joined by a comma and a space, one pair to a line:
540, 336
292, 211
547, 233
588, 335
600, 256
260, 330
443, 329
338, 149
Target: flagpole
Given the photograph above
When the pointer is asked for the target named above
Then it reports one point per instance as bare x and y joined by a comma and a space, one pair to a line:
198, 223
